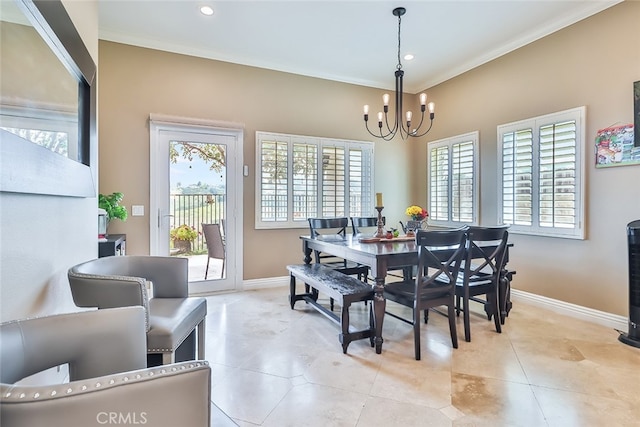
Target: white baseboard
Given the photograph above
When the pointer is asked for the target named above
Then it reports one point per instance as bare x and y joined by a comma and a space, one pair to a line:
269, 282
609, 320
614, 321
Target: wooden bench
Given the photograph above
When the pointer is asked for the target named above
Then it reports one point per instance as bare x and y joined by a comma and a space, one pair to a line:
338, 286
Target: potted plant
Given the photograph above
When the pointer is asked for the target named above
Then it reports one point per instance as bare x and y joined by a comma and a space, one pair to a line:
111, 204
182, 237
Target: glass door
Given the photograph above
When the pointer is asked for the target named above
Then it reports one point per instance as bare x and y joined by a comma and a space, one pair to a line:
195, 199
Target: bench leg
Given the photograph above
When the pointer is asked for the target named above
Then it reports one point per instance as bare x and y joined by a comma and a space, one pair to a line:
345, 338
292, 290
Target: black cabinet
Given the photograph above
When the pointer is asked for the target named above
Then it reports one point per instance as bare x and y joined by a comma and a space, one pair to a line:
113, 245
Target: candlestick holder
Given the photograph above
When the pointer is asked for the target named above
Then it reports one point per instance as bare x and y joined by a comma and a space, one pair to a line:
380, 231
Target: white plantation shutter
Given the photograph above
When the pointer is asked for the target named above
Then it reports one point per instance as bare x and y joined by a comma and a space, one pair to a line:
300, 177
453, 180
462, 177
541, 175
558, 175
273, 180
360, 181
305, 181
333, 181
439, 183
517, 167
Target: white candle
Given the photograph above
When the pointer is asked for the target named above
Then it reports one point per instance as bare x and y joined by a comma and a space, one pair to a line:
379, 200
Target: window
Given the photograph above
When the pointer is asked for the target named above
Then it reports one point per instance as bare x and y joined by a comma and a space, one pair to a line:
299, 177
55, 130
540, 183
453, 180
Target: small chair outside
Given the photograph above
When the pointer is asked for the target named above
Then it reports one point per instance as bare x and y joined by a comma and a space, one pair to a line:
435, 282
215, 245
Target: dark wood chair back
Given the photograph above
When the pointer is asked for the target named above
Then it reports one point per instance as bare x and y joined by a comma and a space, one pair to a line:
435, 282
438, 271
482, 270
358, 222
337, 226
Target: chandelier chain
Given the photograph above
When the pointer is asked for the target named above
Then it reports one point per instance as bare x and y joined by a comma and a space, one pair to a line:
399, 66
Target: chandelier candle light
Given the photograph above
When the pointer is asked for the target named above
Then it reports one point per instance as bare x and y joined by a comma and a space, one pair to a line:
399, 125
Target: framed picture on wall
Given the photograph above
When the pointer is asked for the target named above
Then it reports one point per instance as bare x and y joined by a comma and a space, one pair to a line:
615, 147
636, 112
620, 145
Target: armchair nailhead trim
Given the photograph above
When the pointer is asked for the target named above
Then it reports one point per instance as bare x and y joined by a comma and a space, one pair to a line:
79, 387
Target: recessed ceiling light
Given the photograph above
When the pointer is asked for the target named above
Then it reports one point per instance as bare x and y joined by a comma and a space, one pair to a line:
206, 10
408, 57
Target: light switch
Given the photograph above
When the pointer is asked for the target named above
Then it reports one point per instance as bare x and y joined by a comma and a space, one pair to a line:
137, 210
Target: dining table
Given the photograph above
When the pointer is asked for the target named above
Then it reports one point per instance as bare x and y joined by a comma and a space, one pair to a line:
382, 256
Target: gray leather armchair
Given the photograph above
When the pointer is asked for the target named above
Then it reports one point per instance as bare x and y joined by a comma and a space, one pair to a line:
120, 281
108, 381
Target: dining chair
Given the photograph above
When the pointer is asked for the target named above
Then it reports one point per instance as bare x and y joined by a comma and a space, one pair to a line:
360, 222
336, 226
482, 270
435, 281
215, 246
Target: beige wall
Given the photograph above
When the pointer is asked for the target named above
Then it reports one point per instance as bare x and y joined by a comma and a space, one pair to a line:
42, 236
135, 82
592, 63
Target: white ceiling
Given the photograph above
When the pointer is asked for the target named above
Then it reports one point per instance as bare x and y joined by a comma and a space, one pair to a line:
347, 41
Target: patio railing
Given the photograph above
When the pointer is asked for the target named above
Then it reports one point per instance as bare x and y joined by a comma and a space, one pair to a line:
197, 209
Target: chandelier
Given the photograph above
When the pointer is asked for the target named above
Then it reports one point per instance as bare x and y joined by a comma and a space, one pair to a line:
403, 127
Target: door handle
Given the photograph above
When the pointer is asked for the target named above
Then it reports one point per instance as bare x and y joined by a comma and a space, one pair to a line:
161, 216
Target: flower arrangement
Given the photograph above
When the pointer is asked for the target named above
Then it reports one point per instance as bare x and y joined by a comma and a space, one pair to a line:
184, 232
416, 213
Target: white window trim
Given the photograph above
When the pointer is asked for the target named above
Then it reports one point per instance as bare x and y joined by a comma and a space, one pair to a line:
579, 115
474, 137
320, 142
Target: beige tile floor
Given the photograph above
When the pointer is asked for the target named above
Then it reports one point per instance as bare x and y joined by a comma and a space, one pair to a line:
273, 366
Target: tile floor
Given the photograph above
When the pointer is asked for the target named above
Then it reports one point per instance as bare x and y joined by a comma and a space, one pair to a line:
273, 366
